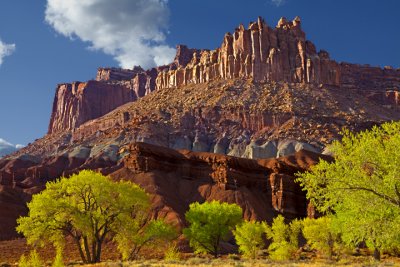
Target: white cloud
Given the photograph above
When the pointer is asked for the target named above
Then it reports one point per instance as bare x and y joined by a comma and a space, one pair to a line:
132, 31
5, 50
278, 3
8, 148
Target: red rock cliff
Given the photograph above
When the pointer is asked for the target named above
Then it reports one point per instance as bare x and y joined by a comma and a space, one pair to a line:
258, 52
261, 53
76, 103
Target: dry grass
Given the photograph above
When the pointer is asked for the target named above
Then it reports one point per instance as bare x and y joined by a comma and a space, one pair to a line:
202, 262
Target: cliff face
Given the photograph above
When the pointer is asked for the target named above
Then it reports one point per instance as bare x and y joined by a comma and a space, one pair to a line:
76, 103
175, 179
79, 102
261, 53
258, 53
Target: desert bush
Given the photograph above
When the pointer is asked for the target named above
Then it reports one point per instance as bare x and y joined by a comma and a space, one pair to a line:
58, 259
33, 260
209, 224
320, 235
249, 237
284, 237
172, 253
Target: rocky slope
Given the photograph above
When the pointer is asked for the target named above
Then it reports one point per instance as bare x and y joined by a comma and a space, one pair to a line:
203, 127
260, 53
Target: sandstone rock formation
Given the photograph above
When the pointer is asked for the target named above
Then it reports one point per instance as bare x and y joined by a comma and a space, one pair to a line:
261, 53
258, 52
76, 103
262, 188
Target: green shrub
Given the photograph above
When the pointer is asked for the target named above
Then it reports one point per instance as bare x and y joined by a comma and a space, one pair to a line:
58, 260
284, 238
209, 224
320, 235
133, 237
249, 237
32, 261
172, 253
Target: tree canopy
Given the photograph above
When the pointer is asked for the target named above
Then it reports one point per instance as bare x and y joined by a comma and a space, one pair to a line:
361, 187
209, 224
249, 237
284, 237
87, 206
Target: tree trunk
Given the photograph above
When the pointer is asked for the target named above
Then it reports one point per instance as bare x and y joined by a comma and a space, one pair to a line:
98, 251
330, 244
87, 250
215, 252
94, 251
78, 243
377, 254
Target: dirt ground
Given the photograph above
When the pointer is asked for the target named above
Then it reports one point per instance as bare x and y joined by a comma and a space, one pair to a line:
11, 251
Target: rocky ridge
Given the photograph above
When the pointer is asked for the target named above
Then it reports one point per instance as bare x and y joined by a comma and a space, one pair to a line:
258, 52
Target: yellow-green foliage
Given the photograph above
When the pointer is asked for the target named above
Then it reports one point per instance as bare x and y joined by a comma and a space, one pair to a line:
133, 236
284, 238
361, 187
32, 261
58, 260
320, 235
209, 224
249, 237
23, 261
172, 253
87, 206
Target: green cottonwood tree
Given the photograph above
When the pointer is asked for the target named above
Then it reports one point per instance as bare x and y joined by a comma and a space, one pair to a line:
209, 224
249, 237
133, 236
284, 237
86, 206
320, 235
361, 187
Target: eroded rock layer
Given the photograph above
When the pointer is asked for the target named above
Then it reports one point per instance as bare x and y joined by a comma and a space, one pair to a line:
262, 188
259, 53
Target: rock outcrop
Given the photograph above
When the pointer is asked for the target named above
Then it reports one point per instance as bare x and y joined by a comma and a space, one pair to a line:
366, 77
78, 102
258, 53
262, 188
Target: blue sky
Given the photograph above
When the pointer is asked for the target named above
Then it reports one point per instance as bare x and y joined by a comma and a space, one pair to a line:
75, 39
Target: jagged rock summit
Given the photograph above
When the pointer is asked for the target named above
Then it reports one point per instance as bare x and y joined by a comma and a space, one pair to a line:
258, 52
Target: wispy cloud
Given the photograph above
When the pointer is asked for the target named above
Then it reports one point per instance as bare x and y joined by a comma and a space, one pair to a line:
5, 50
8, 148
132, 31
278, 3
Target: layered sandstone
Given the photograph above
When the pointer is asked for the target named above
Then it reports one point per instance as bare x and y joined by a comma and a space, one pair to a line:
262, 188
366, 77
260, 53
78, 102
